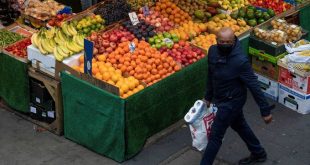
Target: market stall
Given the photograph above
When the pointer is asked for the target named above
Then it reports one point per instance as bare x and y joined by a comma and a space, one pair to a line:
139, 73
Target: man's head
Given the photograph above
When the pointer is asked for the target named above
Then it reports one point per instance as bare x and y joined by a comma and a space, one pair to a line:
225, 39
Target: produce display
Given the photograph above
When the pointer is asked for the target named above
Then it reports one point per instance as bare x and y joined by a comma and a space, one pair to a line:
7, 37
184, 53
62, 42
155, 19
89, 24
171, 11
196, 9
189, 30
222, 20
43, 10
204, 41
137, 4
113, 11
20, 48
144, 62
56, 20
107, 42
294, 32
9, 11
252, 15
142, 30
276, 36
233, 4
103, 70
278, 6
163, 40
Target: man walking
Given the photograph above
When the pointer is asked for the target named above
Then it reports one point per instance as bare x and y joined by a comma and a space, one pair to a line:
229, 73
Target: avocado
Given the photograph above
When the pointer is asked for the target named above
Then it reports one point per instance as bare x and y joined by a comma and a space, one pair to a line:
252, 22
260, 20
258, 14
241, 13
251, 8
250, 14
271, 12
234, 14
266, 16
199, 14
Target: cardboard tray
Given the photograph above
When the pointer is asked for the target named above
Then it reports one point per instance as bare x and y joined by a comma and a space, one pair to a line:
301, 73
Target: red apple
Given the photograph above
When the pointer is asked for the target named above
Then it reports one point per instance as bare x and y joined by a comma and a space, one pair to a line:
113, 45
105, 43
105, 36
113, 38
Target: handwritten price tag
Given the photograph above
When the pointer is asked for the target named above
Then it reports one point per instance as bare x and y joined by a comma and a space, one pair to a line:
132, 47
133, 18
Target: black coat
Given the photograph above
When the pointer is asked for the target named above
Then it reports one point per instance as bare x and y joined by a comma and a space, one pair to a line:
228, 77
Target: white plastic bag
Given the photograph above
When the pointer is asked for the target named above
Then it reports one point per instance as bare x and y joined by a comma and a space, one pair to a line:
200, 119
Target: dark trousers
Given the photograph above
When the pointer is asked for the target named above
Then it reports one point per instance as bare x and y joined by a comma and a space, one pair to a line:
227, 116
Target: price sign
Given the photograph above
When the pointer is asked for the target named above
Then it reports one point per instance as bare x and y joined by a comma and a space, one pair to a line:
146, 10
168, 41
88, 56
133, 18
132, 47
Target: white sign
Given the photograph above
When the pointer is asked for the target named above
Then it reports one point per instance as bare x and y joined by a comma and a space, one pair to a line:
133, 18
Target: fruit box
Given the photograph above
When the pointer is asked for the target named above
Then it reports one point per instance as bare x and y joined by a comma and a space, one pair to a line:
46, 63
269, 87
41, 114
297, 79
88, 78
265, 64
21, 29
272, 49
24, 60
294, 100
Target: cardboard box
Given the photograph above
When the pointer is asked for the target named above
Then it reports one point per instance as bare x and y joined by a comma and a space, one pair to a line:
297, 79
294, 100
47, 63
269, 87
272, 49
265, 64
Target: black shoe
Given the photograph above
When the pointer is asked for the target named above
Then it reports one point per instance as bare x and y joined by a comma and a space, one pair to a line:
253, 159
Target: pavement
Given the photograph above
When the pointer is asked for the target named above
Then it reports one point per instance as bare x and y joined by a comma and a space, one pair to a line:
286, 140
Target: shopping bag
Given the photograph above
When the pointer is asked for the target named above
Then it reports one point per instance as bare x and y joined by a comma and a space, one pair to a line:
200, 119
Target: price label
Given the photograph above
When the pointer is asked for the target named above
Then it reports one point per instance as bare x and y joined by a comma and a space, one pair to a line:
132, 47
146, 10
51, 114
134, 18
33, 109
168, 41
88, 56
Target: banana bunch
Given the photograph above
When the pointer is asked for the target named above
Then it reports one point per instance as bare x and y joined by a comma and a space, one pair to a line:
68, 29
62, 42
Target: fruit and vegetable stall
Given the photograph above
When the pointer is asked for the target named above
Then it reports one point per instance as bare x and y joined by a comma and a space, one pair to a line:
111, 76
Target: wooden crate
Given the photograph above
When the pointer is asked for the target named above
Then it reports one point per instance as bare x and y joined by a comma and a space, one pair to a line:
54, 88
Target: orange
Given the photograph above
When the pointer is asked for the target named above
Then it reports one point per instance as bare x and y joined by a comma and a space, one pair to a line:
115, 78
106, 76
177, 68
95, 71
81, 59
111, 82
101, 58
125, 88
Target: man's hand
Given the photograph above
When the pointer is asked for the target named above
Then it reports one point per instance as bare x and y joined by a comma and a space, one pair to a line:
268, 119
207, 102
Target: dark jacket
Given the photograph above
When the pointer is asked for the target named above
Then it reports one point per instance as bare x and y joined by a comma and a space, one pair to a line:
228, 77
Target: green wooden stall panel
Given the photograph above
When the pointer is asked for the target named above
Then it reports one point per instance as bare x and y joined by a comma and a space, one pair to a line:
162, 104
304, 15
14, 83
93, 117
119, 128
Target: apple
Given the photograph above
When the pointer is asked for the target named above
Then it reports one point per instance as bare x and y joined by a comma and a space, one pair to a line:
105, 36
113, 38
109, 50
124, 39
105, 43
113, 45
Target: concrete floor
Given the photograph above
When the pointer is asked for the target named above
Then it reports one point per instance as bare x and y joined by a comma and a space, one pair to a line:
286, 141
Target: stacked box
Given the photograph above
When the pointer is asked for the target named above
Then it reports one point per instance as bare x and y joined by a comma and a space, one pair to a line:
42, 105
294, 91
269, 87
